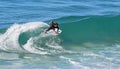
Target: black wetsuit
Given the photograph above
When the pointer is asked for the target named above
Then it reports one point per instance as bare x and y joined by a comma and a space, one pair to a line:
52, 27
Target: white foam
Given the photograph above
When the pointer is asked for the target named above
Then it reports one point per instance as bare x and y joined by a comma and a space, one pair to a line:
74, 63
9, 56
54, 42
9, 40
53, 45
29, 46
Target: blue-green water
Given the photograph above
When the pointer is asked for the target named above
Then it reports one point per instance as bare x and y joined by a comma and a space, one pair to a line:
89, 39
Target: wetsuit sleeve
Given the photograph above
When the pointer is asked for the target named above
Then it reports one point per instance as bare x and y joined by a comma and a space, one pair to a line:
49, 28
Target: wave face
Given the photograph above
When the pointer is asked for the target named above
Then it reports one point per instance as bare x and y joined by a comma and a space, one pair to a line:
90, 28
76, 30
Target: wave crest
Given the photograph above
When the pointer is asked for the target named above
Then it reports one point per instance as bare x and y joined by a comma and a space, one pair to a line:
13, 39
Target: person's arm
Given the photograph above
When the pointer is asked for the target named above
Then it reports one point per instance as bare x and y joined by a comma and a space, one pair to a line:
51, 23
48, 29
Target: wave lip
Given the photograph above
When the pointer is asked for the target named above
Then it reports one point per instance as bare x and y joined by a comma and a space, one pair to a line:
9, 41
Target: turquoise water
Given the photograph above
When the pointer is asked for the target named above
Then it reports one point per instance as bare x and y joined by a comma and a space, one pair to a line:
89, 39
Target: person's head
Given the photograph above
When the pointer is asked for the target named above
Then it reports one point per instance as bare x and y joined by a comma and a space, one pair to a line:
55, 25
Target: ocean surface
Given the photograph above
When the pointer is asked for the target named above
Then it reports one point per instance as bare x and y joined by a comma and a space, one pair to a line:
90, 37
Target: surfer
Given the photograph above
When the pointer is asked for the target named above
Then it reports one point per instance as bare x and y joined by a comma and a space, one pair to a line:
53, 26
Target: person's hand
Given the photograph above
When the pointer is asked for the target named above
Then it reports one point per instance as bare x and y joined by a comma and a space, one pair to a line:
56, 32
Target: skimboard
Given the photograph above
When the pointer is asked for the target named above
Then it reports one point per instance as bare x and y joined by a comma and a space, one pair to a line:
50, 33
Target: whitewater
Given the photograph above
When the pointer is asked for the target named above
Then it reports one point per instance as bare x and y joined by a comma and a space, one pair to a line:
9, 41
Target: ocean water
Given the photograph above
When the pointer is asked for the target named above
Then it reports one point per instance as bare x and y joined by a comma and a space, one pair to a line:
90, 37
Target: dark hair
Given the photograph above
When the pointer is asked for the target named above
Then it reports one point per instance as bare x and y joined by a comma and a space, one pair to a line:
55, 23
